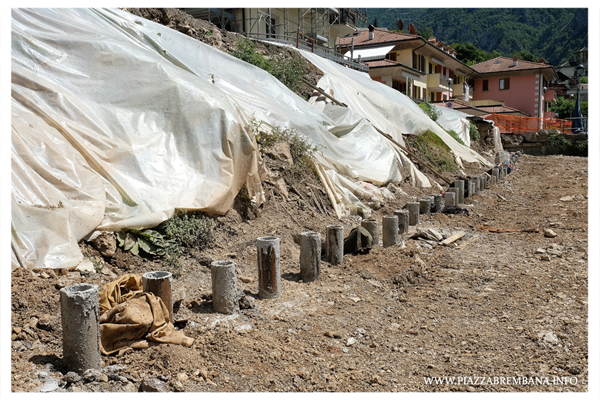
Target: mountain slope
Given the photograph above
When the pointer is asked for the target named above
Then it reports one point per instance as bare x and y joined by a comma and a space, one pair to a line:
552, 33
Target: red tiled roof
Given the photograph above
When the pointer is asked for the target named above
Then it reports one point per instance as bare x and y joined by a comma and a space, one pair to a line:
505, 64
381, 36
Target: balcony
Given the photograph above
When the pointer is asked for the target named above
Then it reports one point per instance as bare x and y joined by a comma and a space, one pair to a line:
458, 92
438, 83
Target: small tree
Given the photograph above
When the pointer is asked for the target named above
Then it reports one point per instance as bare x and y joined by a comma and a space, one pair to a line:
565, 108
432, 111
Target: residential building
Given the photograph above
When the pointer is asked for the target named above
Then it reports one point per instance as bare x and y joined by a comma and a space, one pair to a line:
519, 84
313, 29
581, 58
425, 70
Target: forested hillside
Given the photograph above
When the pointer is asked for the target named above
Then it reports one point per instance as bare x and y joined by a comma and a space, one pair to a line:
552, 33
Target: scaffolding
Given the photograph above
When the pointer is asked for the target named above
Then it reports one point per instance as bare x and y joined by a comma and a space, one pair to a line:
306, 28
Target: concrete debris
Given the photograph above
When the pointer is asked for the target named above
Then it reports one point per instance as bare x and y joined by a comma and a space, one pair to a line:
182, 376
72, 377
350, 341
554, 252
153, 385
549, 233
94, 375
548, 336
50, 385
566, 198
246, 302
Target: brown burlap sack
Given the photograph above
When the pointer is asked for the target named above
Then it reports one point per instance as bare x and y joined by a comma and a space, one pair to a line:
134, 323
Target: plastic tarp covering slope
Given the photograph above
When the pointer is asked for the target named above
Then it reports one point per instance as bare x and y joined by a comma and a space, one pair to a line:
455, 121
117, 121
389, 110
109, 134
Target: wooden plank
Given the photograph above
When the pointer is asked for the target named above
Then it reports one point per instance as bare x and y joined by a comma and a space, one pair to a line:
453, 238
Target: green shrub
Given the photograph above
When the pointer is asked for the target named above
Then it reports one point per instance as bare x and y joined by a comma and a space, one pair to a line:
560, 144
288, 72
455, 136
169, 239
301, 149
474, 132
431, 110
188, 229
434, 150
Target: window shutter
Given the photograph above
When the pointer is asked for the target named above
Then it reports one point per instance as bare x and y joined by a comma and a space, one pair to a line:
507, 83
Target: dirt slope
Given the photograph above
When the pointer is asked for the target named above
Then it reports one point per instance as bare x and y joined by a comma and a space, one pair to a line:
384, 321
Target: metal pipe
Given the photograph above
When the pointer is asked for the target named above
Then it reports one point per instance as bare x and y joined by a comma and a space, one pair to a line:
269, 270
335, 244
159, 283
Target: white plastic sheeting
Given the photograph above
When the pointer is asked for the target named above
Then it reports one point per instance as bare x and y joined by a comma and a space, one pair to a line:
389, 110
117, 121
456, 121
110, 132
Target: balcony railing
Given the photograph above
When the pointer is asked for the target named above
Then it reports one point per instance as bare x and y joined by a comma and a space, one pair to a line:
458, 90
438, 83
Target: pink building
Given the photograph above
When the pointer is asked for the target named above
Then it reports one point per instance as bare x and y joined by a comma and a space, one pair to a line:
519, 84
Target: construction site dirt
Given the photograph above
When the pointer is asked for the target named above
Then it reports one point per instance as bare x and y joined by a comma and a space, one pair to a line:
502, 309
506, 303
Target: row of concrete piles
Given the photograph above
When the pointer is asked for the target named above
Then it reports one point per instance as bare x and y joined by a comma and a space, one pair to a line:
80, 303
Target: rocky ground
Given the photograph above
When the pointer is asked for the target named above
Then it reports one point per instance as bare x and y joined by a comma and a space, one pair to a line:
505, 305
495, 304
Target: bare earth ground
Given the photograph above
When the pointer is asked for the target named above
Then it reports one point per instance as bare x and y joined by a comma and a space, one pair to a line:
493, 308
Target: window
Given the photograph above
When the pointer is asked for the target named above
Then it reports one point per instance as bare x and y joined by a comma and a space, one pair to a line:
432, 97
444, 71
485, 85
392, 56
430, 68
418, 62
505, 84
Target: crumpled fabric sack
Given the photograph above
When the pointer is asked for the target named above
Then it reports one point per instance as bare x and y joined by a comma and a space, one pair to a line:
136, 323
119, 291
358, 241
